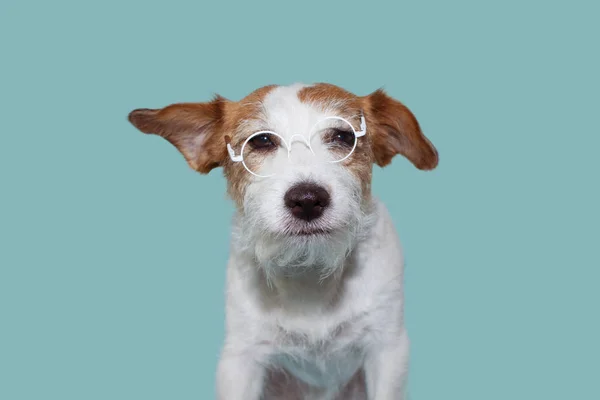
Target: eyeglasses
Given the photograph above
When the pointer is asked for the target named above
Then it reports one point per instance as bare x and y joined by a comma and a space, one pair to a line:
332, 139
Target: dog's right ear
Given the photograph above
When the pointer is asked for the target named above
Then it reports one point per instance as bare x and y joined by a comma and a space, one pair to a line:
193, 128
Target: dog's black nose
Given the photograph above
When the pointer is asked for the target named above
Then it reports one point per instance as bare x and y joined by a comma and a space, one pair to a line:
306, 200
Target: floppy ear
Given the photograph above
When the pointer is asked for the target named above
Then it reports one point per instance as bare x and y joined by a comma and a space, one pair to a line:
393, 129
193, 128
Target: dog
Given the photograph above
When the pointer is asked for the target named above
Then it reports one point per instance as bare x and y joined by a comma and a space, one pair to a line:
314, 301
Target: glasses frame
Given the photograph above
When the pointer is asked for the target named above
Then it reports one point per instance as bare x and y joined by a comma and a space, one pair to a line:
240, 158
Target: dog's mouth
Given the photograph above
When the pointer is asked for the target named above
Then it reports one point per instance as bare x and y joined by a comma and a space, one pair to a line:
307, 232
313, 232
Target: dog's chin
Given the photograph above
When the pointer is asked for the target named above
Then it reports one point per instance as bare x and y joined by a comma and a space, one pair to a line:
287, 247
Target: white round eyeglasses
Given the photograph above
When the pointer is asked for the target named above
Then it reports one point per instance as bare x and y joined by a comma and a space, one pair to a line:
336, 134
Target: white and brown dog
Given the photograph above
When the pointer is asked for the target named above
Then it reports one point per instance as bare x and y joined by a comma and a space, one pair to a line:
314, 280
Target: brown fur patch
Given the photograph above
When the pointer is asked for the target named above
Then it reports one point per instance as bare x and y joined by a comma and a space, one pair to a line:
248, 109
326, 94
198, 131
193, 128
391, 127
395, 130
349, 106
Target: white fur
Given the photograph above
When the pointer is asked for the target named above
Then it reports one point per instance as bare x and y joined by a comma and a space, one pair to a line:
309, 313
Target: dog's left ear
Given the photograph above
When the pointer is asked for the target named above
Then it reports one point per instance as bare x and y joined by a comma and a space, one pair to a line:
393, 129
193, 128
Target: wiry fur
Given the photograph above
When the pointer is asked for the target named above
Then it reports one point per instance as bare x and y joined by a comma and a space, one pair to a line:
265, 232
309, 316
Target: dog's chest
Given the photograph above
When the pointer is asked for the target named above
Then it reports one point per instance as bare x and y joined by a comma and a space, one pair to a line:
325, 353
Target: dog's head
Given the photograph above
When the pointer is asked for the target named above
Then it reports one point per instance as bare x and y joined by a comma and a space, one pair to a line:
298, 161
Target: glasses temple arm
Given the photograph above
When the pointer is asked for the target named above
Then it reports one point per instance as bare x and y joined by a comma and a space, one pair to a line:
231, 152
363, 126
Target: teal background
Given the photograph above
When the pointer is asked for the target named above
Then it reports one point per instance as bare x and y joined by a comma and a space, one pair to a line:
113, 252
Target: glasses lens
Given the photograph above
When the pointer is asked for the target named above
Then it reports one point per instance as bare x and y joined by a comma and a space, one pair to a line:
333, 139
260, 153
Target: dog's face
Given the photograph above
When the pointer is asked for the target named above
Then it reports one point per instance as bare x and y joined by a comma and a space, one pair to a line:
307, 206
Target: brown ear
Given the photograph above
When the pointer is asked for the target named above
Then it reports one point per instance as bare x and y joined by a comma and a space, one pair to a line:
194, 128
393, 129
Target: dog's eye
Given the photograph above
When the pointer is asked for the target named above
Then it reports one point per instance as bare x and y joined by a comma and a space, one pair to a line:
343, 137
262, 141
